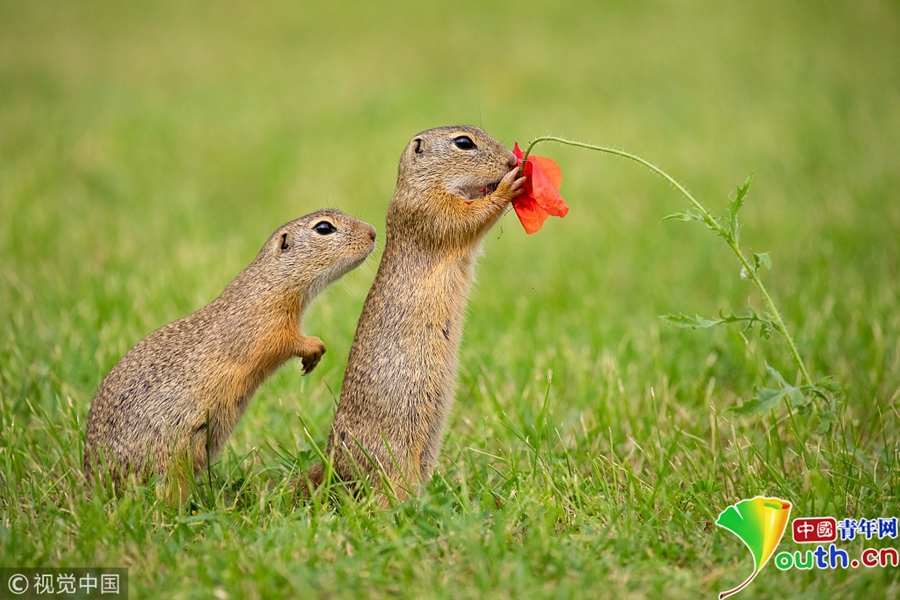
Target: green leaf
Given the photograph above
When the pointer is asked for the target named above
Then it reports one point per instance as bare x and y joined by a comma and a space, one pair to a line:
687, 215
762, 259
778, 376
750, 309
794, 393
829, 384
733, 318
766, 399
698, 322
695, 322
826, 421
734, 205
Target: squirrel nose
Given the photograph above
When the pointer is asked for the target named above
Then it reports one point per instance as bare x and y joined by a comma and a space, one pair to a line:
372, 233
512, 160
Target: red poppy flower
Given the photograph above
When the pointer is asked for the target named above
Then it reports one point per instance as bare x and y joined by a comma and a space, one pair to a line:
540, 194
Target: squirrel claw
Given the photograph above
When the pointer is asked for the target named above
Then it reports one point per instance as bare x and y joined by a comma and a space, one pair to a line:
511, 185
310, 352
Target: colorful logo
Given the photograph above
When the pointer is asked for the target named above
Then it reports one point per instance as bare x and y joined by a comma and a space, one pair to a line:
759, 523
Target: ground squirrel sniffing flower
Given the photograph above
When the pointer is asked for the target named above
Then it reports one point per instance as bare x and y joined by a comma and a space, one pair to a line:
453, 184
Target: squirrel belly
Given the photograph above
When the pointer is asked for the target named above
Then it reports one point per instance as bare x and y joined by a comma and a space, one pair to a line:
402, 366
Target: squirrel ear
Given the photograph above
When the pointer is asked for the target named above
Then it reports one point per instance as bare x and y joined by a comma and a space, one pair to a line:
285, 245
417, 146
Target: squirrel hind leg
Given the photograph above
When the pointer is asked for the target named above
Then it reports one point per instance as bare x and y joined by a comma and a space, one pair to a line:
178, 466
172, 489
178, 476
305, 484
174, 486
315, 475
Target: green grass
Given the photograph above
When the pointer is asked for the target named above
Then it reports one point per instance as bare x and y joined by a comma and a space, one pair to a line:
148, 150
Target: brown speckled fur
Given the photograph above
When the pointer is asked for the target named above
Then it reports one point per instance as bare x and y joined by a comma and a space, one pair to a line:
177, 395
401, 373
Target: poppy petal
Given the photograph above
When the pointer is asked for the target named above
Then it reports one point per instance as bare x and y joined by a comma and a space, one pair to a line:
546, 195
517, 152
530, 214
549, 167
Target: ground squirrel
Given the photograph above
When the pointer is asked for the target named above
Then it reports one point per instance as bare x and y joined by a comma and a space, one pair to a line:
453, 184
174, 398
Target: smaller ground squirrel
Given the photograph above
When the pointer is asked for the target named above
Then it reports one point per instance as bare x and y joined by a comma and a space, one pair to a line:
453, 184
173, 399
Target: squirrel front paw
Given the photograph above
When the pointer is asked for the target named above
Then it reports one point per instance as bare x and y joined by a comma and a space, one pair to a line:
310, 352
509, 187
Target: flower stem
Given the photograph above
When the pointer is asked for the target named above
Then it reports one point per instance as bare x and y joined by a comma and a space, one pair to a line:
712, 223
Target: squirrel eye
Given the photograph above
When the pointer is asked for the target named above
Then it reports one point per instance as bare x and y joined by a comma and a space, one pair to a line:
324, 228
464, 142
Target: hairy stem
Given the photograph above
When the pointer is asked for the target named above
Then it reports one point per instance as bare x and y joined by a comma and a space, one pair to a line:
712, 223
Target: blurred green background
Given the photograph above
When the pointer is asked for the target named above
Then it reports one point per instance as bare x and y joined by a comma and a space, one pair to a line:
148, 149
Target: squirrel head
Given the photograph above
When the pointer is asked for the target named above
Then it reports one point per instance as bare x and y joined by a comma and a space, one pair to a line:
442, 171
305, 255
